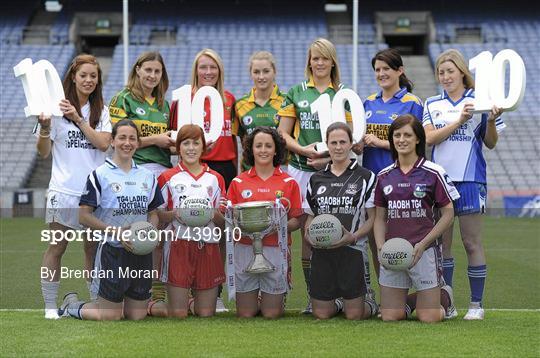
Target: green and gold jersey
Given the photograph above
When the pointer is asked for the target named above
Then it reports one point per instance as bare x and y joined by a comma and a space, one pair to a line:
149, 119
249, 115
297, 104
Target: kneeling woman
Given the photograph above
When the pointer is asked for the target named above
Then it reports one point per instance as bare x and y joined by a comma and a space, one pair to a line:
343, 189
406, 195
118, 181
191, 260
264, 152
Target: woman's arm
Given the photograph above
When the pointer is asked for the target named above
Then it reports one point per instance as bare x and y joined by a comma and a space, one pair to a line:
44, 143
492, 136
379, 226
436, 136
286, 125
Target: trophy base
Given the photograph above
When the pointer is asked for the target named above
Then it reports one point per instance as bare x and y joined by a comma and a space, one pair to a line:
259, 264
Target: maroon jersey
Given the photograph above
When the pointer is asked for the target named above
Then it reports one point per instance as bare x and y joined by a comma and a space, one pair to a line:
411, 198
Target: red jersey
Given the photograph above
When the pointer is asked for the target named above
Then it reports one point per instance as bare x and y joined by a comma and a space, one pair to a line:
248, 186
225, 148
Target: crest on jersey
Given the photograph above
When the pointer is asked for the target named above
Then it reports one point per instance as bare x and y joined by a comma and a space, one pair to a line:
144, 187
180, 188
419, 190
116, 187
321, 190
303, 104
436, 114
393, 116
388, 189
247, 120
368, 114
352, 188
246, 194
140, 111
210, 191
279, 194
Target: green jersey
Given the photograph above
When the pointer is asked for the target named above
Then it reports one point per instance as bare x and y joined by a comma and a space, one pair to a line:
149, 119
297, 104
249, 115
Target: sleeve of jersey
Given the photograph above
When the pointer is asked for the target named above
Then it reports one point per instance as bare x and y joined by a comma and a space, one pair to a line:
165, 192
117, 109
156, 199
92, 192
447, 186
173, 125
220, 198
370, 192
379, 199
232, 194
418, 111
235, 125
296, 200
426, 117
287, 107
309, 204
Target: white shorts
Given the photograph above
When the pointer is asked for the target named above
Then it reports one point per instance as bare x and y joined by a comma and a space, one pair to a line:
426, 274
301, 177
63, 209
270, 282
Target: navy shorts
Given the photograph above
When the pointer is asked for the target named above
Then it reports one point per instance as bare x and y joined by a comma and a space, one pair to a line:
337, 273
472, 200
122, 274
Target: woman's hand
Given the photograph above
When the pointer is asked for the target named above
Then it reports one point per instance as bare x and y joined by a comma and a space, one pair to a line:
371, 140
466, 113
418, 250
125, 241
44, 122
70, 112
318, 163
494, 113
164, 140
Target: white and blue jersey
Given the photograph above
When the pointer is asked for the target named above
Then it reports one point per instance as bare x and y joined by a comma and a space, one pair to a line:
461, 153
121, 198
379, 116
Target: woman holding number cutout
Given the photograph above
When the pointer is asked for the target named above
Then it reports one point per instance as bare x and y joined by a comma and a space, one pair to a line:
78, 142
300, 127
458, 135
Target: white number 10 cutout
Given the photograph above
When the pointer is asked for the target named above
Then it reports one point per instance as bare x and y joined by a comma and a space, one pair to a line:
490, 80
193, 111
329, 113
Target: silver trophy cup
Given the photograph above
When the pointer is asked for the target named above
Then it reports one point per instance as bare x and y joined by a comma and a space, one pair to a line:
255, 219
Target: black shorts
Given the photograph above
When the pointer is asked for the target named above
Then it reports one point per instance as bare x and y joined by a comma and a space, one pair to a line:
123, 274
337, 273
227, 169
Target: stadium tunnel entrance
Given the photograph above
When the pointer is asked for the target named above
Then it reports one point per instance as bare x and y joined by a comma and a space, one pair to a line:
410, 32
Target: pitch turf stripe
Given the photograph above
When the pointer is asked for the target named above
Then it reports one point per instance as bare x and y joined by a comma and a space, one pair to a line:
298, 309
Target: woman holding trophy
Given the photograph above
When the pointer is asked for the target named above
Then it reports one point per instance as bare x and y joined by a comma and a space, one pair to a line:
191, 259
256, 188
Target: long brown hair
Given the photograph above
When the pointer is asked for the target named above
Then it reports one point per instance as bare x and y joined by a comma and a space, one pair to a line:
134, 84
70, 89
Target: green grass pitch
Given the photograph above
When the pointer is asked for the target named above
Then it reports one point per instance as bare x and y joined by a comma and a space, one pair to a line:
511, 327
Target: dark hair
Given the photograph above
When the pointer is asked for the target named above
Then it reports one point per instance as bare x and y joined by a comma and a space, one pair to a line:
402, 121
70, 89
190, 131
125, 123
279, 143
392, 58
339, 125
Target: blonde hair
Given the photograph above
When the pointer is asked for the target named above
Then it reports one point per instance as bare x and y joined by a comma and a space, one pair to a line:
454, 56
134, 84
328, 50
217, 59
262, 55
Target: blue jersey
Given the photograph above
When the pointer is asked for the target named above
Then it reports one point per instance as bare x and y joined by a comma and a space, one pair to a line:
379, 116
461, 153
121, 198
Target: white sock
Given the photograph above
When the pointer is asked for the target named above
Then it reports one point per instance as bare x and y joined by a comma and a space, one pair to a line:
49, 290
93, 295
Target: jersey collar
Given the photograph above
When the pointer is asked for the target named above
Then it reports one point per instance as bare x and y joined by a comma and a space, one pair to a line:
352, 165
311, 83
419, 162
399, 94
273, 95
469, 92
253, 173
113, 165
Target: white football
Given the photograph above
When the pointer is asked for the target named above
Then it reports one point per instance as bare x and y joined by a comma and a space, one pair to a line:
325, 230
396, 254
144, 237
195, 211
